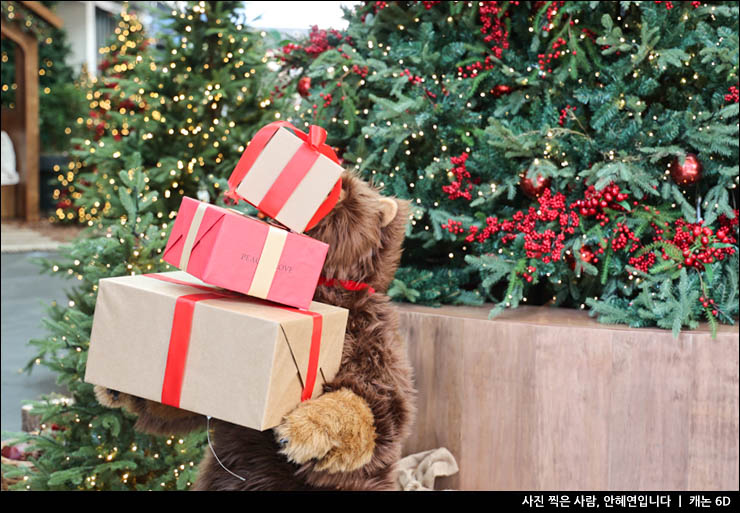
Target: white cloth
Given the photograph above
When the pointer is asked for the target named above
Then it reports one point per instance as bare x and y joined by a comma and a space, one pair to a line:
417, 472
9, 174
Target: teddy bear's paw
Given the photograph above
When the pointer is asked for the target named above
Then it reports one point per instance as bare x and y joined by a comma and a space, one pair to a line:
111, 398
335, 429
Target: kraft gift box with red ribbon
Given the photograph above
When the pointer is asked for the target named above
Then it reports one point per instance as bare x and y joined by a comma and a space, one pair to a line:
288, 175
172, 339
225, 248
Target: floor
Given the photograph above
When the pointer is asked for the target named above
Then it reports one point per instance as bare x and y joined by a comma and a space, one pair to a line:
25, 293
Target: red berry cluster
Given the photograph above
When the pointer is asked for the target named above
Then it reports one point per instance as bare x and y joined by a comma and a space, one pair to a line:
733, 95
493, 27
412, 78
472, 70
377, 6
428, 4
462, 178
287, 49
320, 40
319, 43
415, 80
546, 245
708, 303
453, 226
668, 5
695, 4
529, 273
696, 242
544, 59
623, 236
643, 263
564, 114
595, 202
550, 14
327, 99
362, 71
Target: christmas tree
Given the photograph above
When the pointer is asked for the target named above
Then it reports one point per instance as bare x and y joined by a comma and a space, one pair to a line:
104, 97
581, 154
197, 97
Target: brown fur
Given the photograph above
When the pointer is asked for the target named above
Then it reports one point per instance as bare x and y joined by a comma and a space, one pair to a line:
336, 429
349, 438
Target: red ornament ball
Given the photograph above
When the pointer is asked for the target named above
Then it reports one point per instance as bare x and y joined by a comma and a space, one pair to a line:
304, 86
688, 172
534, 189
587, 254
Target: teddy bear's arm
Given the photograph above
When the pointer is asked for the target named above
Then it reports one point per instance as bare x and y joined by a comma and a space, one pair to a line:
153, 418
360, 421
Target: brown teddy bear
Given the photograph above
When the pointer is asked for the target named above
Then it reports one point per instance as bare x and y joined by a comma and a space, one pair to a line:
350, 437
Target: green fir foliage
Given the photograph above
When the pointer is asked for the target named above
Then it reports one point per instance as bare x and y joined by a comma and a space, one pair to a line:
196, 99
586, 95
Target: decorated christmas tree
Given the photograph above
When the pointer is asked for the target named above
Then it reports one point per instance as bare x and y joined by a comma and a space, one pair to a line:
581, 154
197, 99
103, 95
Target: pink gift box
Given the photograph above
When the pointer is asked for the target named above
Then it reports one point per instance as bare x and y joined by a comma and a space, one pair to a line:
230, 250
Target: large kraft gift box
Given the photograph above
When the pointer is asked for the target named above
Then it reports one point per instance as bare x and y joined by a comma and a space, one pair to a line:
289, 175
228, 249
170, 338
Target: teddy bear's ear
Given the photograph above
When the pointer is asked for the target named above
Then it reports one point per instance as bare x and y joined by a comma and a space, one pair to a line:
389, 208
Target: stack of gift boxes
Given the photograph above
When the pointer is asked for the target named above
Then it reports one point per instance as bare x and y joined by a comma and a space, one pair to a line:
234, 335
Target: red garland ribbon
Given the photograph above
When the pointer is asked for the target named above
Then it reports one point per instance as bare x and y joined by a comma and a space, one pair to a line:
182, 323
291, 175
347, 284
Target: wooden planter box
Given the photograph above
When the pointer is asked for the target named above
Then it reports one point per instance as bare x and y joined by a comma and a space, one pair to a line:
549, 399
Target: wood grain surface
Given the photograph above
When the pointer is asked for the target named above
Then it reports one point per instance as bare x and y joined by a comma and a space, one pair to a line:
549, 399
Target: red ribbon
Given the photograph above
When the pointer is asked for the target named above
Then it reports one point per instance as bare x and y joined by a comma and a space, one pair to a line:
347, 284
291, 175
180, 338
